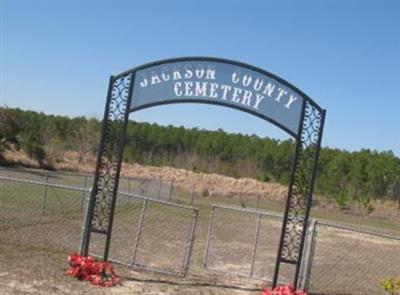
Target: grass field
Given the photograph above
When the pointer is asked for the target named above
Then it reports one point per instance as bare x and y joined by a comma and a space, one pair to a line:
40, 227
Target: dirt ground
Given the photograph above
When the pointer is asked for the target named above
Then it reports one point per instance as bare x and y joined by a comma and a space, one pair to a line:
39, 271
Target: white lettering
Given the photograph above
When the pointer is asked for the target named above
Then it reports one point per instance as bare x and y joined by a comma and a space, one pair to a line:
225, 89
281, 93
199, 72
200, 90
177, 91
210, 74
292, 99
235, 95
269, 88
235, 78
165, 76
259, 98
176, 75
144, 82
155, 79
246, 80
213, 90
258, 83
188, 73
246, 97
188, 88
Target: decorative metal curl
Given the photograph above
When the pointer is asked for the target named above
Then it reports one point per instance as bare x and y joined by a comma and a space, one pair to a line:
301, 188
112, 140
302, 182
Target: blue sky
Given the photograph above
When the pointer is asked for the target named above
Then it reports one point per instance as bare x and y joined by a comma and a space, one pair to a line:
57, 56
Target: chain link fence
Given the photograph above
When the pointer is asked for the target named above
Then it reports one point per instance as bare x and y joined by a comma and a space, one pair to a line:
351, 260
42, 217
40, 224
152, 188
191, 195
242, 242
36, 213
148, 233
152, 234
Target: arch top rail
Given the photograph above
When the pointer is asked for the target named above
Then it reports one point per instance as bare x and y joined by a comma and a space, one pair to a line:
218, 81
223, 61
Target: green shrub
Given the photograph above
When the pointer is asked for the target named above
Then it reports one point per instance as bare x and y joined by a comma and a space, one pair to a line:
264, 177
366, 203
391, 285
35, 151
341, 200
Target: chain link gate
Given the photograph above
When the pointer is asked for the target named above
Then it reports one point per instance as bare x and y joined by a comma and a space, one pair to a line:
152, 234
243, 242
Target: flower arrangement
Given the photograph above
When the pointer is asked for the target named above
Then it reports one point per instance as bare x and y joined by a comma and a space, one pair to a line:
86, 268
282, 290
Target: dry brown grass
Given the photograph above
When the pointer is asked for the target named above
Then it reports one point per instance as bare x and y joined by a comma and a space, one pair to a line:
209, 184
215, 184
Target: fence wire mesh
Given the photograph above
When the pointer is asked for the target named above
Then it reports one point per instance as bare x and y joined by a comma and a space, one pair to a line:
243, 242
39, 225
152, 234
350, 260
149, 187
36, 213
42, 216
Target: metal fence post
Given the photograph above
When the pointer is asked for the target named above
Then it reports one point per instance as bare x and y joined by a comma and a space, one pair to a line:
85, 210
311, 256
190, 245
2, 199
308, 252
253, 254
159, 188
209, 236
192, 194
146, 190
44, 200
398, 202
139, 231
171, 187
83, 194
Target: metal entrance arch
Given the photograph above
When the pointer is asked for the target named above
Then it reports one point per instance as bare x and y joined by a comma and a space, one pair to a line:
210, 81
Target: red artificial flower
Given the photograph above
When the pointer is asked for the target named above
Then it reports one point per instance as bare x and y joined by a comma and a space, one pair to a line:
73, 271
282, 290
88, 269
75, 259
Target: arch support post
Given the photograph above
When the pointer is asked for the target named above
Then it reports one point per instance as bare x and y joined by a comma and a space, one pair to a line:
300, 191
100, 210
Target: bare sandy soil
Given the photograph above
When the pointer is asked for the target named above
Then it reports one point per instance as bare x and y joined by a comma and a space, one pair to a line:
42, 272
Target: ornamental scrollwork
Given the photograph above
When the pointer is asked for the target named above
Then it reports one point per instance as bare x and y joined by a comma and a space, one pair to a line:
302, 182
112, 140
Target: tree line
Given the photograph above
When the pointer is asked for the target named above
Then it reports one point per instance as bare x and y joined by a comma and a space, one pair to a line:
342, 175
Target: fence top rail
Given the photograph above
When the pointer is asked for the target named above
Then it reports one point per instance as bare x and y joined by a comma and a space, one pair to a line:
247, 210
158, 201
48, 184
80, 174
358, 229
